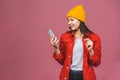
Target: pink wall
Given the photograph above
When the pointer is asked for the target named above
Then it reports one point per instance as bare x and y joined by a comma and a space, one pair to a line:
25, 51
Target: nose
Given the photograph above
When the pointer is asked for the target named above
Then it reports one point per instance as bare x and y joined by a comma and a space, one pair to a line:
69, 22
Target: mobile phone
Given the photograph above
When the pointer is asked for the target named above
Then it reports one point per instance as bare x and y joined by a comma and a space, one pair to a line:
50, 32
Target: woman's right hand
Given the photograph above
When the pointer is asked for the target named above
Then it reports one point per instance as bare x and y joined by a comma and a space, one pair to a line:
54, 42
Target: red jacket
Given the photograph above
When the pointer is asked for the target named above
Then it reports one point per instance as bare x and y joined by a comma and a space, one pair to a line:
65, 57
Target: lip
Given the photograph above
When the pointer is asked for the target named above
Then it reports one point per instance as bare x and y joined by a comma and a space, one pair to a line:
71, 25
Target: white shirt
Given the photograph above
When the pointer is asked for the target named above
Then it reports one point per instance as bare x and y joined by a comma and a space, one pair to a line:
77, 57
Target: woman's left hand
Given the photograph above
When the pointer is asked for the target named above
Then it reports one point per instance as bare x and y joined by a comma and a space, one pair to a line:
89, 44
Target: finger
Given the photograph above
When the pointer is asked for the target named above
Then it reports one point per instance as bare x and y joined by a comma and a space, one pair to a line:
87, 39
55, 44
88, 46
52, 40
55, 40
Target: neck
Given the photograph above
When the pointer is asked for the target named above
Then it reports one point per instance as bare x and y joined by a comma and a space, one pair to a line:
78, 33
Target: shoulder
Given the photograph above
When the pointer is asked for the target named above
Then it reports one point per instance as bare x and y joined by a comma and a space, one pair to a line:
66, 34
94, 36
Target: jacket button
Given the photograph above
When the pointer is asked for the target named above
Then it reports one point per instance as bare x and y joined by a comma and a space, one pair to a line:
69, 56
67, 67
65, 78
67, 40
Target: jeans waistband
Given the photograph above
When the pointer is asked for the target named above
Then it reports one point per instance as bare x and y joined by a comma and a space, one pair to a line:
76, 71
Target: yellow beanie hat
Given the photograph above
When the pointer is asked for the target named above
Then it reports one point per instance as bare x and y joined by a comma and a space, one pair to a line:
77, 12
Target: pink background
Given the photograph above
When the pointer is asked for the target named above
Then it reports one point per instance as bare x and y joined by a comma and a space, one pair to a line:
25, 51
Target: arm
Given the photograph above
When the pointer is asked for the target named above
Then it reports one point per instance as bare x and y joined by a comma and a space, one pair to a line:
59, 53
95, 53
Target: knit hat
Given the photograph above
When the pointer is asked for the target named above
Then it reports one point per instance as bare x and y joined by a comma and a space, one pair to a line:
77, 12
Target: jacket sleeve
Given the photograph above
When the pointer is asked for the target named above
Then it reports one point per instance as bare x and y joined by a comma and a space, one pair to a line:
95, 60
61, 57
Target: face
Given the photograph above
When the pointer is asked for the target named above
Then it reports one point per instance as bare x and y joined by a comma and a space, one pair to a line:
73, 23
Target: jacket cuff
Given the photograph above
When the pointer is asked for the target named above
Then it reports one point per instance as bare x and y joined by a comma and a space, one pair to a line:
56, 56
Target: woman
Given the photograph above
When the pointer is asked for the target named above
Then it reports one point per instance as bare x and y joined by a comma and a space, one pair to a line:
79, 49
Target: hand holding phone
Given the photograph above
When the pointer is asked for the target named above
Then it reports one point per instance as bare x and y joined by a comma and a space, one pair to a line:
53, 40
50, 32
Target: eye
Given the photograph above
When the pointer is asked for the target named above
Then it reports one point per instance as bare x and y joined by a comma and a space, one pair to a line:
72, 19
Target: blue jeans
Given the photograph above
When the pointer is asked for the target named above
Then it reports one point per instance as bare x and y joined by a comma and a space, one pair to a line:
75, 75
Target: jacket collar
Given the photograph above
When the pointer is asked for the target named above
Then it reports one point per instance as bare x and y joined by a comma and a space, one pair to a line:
72, 34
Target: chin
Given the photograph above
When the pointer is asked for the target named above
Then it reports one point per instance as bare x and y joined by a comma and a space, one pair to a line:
73, 29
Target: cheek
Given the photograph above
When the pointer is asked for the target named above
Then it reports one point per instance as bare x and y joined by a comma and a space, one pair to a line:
77, 25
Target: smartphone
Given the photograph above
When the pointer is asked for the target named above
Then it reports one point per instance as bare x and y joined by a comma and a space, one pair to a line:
50, 32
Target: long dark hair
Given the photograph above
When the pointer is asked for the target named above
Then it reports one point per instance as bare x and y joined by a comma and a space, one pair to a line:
84, 29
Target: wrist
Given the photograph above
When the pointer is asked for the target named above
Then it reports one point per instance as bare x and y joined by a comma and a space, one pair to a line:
57, 51
91, 51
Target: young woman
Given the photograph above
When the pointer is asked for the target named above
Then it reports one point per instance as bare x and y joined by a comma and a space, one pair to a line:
79, 49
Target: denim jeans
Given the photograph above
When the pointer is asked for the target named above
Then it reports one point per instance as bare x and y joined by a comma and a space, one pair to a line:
75, 75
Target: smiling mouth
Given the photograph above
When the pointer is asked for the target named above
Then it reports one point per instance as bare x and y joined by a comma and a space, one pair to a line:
70, 27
